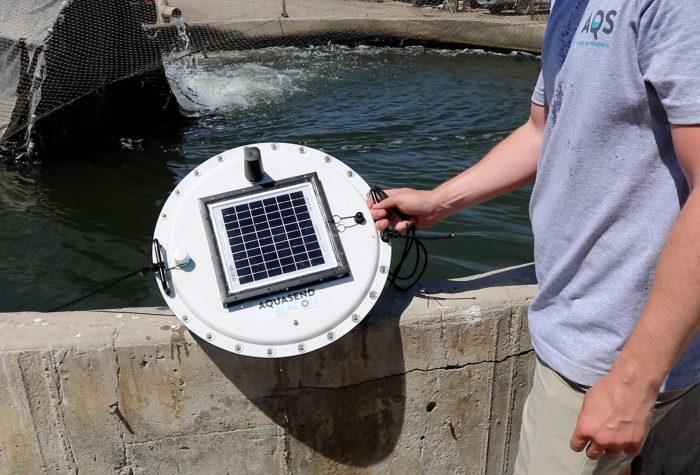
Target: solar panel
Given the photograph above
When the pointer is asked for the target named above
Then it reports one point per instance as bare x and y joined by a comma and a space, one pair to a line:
271, 237
268, 239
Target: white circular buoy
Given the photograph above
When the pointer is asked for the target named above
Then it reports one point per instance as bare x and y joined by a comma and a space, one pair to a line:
276, 249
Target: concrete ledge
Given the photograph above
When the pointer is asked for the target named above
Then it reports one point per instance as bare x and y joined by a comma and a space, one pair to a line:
432, 382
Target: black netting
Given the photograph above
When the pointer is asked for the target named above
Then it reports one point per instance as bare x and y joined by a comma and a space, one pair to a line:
85, 55
56, 53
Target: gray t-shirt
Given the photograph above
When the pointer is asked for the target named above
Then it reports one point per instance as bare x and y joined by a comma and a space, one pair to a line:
609, 188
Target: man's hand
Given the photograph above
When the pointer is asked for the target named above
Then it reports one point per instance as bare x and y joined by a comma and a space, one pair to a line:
421, 206
617, 410
615, 417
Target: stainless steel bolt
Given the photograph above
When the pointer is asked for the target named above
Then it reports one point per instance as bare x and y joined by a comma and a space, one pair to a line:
210, 336
178, 192
185, 318
295, 322
373, 295
220, 158
197, 173
270, 352
164, 215
327, 159
331, 336
238, 348
383, 269
350, 174
302, 150
302, 347
275, 146
355, 318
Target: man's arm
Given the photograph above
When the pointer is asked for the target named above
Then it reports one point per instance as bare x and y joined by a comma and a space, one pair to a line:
508, 166
617, 410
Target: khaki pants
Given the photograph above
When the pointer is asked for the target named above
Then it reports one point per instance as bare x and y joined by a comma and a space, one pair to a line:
549, 419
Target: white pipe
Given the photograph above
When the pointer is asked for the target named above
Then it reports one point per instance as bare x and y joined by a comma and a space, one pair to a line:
167, 12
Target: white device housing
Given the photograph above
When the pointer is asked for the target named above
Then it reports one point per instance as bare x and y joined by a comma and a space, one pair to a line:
292, 320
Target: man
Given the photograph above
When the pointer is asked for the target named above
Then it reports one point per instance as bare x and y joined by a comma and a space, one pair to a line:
613, 142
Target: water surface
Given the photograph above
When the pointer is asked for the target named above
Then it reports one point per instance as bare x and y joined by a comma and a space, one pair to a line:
399, 117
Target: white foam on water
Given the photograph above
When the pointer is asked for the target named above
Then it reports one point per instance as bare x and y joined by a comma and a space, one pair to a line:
212, 86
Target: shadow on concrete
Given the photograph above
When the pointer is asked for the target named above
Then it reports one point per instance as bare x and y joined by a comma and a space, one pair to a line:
521, 275
345, 402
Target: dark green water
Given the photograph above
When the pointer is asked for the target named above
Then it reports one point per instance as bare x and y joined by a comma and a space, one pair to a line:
400, 117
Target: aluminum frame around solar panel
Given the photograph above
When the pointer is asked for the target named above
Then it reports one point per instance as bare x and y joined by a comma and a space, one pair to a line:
244, 229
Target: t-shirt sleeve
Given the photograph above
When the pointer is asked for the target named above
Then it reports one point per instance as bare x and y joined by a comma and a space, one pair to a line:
669, 55
538, 94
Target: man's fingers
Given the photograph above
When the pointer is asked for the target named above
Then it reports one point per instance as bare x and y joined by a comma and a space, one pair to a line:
402, 226
378, 214
382, 224
632, 449
578, 441
612, 454
594, 451
387, 203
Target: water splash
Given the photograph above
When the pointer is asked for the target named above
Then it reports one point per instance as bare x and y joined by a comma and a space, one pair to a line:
203, 88
182, 36
230, 81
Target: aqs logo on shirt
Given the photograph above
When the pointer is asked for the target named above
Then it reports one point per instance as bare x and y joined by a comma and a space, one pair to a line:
600, 22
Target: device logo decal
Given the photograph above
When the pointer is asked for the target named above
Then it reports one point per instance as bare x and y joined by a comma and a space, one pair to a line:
301, 298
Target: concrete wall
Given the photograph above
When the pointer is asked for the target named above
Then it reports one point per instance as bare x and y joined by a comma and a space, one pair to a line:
464, 32
428, 383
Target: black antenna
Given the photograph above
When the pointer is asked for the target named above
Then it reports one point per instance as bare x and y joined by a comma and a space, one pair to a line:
252, 165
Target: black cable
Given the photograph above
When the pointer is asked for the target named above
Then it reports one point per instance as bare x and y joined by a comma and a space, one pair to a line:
398, 277
157, 267
142, 272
